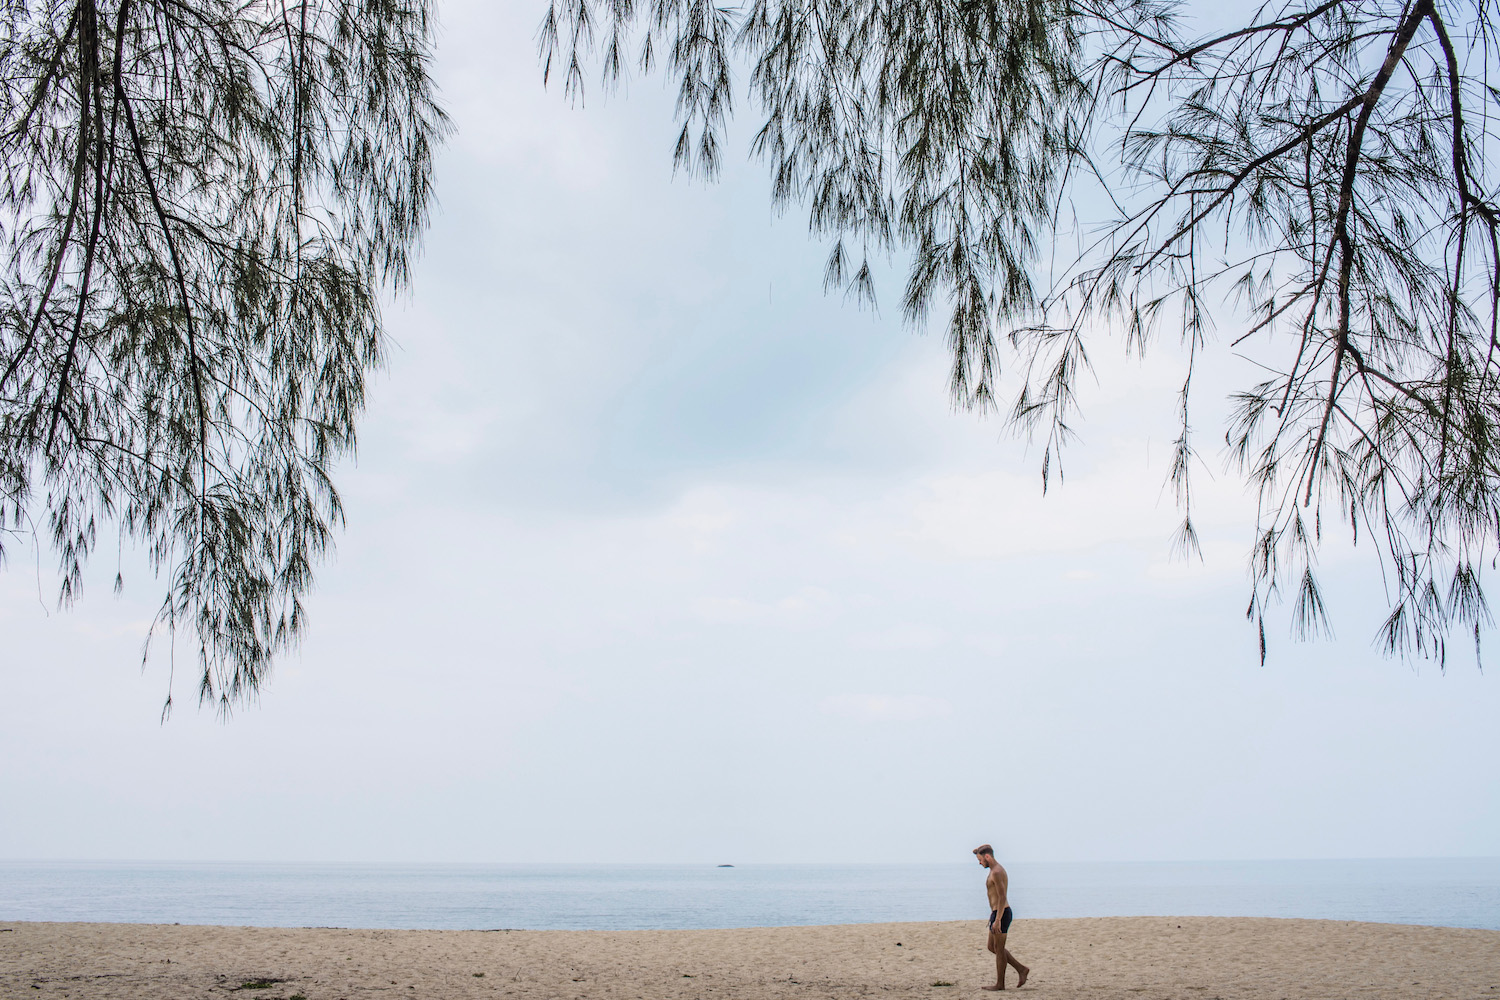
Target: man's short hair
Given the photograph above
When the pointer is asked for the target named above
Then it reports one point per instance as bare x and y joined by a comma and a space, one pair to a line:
984, 849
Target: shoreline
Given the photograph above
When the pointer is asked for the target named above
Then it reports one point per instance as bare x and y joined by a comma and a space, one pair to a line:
1103, 958
1394, 926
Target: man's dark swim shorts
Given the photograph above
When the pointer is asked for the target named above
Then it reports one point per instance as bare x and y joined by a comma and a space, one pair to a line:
1005, 919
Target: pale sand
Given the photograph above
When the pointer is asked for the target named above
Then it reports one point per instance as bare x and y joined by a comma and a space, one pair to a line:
1132, 958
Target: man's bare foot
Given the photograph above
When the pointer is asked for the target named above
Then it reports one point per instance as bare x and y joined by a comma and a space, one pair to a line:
1023, 972
993, 988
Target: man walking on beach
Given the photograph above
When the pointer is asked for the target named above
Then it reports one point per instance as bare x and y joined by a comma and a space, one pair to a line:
996, 885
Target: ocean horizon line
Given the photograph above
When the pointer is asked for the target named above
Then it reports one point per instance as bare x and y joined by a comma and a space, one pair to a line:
1445, 892
742, 864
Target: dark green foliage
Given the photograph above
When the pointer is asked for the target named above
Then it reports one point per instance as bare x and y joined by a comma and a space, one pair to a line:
200, 201
1312, 180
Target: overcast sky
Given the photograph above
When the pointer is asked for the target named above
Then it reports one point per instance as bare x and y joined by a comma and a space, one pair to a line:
656, 553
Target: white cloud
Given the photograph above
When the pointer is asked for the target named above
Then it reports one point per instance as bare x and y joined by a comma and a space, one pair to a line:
702, 516
886, 707
798, 608
997, 514
905, 636
1001, 511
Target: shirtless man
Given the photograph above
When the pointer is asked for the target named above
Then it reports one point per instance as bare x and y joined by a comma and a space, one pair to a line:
1000, 916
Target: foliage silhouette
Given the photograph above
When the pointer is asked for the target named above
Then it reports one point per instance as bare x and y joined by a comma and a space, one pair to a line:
1313, 177
200, 201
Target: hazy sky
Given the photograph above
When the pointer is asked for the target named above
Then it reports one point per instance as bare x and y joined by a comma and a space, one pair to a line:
655, 553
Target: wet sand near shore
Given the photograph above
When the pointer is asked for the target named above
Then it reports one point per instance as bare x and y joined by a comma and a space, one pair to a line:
1129, 958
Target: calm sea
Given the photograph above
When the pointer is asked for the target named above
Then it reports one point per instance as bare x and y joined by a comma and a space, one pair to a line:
1453, 892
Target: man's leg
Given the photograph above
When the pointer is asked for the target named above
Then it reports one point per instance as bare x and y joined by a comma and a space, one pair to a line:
1021, 971
997, 945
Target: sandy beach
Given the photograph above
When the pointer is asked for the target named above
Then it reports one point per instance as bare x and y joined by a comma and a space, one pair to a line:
1132, 958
